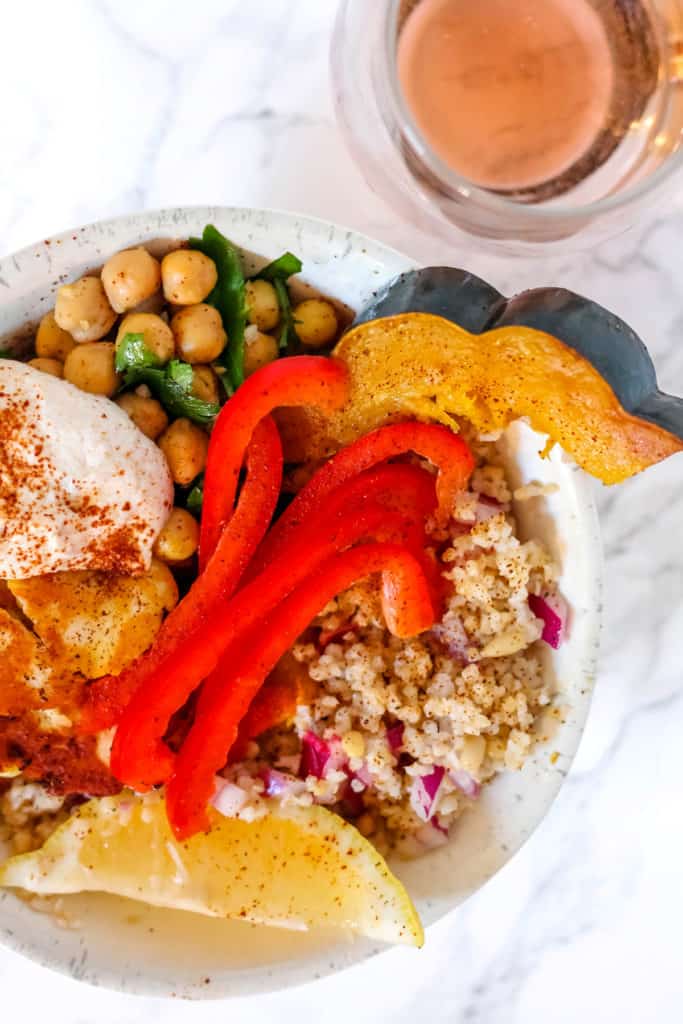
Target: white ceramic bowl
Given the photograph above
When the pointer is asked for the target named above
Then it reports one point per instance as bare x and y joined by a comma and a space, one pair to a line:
128, 946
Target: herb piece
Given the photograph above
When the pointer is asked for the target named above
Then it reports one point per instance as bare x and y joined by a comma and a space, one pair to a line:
173, 388
181, 374
282, 268
6, 354
288, 337
195, 498
228, 297
171, 384
132, 354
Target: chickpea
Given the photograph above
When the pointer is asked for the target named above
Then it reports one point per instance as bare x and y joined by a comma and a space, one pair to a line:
147, 414
264, 309
83, 309
179, 538
199, 333
156, 333
165, 584
185, 447
187, 276
91, 368
316, 322
130, 277
259, 350
51, 366
205, 384
51, 341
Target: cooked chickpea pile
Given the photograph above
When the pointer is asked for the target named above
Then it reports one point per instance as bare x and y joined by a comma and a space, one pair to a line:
164, 302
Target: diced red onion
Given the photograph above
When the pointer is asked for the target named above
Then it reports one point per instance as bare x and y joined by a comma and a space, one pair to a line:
484, 508
433, 781
319, 756
315, 753
553, 611
395, 737
363, 775
424, 791
460, 527
452, 636
280, 783
338, 756
487, 508
465, 783
228, 799
431, 835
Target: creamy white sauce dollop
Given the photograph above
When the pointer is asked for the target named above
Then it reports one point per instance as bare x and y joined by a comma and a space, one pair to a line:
80, 486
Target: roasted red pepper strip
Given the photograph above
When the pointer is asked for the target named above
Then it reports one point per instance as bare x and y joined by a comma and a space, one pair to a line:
359, 519
438, 444
139, 758
290, 683
106, 698
300, 380
215, 729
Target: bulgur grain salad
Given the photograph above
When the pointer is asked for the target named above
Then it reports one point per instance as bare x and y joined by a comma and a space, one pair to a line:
259, 594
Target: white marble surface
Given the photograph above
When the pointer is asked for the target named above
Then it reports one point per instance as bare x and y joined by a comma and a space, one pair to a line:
110, 107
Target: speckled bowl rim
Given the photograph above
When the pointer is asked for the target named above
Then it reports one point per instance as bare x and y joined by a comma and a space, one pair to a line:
103, 237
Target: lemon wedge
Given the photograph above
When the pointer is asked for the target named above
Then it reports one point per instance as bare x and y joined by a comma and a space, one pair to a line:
295, 868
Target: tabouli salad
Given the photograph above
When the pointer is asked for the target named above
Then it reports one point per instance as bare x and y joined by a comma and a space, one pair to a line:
265, 615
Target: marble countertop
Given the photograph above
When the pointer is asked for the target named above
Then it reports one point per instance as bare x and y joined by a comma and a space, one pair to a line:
113, 107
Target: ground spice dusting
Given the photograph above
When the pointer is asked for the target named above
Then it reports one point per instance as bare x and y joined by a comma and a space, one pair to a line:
62, 763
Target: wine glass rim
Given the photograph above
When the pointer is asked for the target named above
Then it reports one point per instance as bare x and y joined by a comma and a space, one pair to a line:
483, 197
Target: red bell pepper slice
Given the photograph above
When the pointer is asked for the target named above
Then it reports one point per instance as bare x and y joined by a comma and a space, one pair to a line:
215, 729
139, 758
444, 449
299, 380
414, 492
106, 698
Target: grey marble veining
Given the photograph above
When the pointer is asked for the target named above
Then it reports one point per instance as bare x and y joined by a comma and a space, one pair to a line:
110, 107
